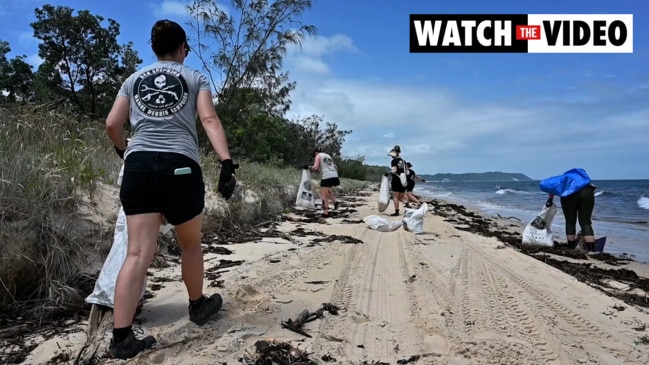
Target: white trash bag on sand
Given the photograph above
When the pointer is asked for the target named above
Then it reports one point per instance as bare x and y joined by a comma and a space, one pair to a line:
381, 224
384, 194
305, 198
539, 230
104, 293
413, 220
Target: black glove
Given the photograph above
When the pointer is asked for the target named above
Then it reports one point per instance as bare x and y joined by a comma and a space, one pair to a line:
227, 178
305, 167
386, 174
422, 180
119, 152
548, 203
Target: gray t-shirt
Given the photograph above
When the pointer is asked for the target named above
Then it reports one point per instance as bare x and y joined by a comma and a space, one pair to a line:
162, 98
327, 166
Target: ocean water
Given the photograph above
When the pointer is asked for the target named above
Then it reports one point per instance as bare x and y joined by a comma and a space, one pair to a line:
621, 208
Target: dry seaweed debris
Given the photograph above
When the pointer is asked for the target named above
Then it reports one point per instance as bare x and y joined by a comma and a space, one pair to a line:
272, 352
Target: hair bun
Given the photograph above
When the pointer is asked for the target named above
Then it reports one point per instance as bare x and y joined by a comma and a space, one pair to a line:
166, 36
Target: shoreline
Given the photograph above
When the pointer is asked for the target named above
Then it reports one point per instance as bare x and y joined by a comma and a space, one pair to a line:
620, 246
514, 223
461, 292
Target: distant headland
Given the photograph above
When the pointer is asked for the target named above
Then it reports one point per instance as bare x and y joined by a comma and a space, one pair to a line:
478, 176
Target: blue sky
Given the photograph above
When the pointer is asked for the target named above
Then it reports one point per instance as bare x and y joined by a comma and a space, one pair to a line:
539, 114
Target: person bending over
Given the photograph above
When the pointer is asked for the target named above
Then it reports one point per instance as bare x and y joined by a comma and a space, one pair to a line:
577, 194
324, 164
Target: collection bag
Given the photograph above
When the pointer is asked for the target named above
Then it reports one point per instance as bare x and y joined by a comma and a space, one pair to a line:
381, 224
539, 230
305, 198
104, 291
384, 194
403, 177
413, 220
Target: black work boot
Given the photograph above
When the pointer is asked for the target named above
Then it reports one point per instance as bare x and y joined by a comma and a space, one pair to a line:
572, 245
208, 307
590, 246
130, 347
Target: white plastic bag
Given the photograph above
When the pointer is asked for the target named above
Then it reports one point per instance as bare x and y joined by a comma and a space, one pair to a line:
305, 197
539, 230
381, 224
404, 179
413, 220
384, 194
104, 292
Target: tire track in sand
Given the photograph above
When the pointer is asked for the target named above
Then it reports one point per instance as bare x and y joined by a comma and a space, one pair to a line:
377, 325
546, 327
480, 317
577, 325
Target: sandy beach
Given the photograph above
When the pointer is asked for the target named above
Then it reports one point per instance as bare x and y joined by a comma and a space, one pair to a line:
462, 292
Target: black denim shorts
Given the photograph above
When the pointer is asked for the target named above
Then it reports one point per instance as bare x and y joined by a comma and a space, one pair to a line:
330, 182
152, 184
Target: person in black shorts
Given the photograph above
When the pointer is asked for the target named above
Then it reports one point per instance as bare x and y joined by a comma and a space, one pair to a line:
397, 167
412, 178
162, 176
324, 164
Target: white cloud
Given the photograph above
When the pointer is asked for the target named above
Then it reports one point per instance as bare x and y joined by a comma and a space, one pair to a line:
34, 60
319, 46
312, 65
178, 9
440, 131
173, 9
308, 57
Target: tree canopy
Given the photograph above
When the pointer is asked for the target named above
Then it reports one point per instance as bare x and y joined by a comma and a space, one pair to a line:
241, 48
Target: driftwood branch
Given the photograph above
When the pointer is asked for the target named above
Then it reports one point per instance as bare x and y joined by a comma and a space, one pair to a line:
99, 321
305, 316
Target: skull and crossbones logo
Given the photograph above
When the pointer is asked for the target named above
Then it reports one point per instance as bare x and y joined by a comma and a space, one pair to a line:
161, 89
160, 92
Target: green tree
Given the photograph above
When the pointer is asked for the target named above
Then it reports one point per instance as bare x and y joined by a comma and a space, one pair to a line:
4, 66
84, 53
241, 50
16, 76
245, 46
47, 85
306, 134
106, 88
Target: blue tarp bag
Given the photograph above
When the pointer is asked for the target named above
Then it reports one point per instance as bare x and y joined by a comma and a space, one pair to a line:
570, 182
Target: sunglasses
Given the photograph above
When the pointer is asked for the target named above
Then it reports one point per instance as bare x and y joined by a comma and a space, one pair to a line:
187, 49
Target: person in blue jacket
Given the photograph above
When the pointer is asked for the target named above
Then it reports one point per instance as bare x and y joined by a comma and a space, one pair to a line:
577, 194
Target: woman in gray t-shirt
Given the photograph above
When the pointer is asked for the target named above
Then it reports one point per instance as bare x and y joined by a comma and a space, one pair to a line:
162, 176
